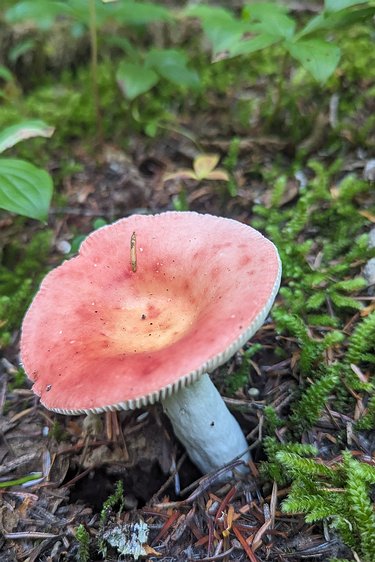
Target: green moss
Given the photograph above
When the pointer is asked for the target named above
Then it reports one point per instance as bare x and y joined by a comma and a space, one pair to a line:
22, 268
241, 375
339, 493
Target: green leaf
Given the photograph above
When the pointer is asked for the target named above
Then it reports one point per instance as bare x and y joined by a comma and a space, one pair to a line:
337, 5
276, 24
41, 12
271, 19
262, 10
219, 25
78, 10
134, 79
316, 23
126, 12
21, 49
25, 130
326, 21
171, 64
5, 74
139, 13
21, 480
222, 35
24, 189
318, 57
206, 13
252, 45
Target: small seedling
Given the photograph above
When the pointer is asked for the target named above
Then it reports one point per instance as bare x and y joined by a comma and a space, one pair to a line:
204, 168
83, 539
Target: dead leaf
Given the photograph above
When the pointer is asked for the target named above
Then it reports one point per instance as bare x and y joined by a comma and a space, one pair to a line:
367, 215
204, 164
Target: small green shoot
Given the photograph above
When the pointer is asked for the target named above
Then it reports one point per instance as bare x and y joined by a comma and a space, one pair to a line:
117, 498
230, 163
241, 375
83, 539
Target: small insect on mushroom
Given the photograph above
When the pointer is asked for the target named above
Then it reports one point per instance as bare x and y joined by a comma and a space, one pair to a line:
133, 252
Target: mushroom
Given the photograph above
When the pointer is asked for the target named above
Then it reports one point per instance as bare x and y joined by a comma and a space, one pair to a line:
149, 306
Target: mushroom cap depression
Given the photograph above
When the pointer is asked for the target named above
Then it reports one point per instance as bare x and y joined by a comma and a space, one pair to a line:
103, 334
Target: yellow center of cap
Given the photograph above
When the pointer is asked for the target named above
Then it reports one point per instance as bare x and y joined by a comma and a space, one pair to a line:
150, 323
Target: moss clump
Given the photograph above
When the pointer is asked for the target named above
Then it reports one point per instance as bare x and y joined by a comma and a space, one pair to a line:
22, 268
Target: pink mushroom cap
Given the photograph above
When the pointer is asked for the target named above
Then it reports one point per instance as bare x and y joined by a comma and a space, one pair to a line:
100, 336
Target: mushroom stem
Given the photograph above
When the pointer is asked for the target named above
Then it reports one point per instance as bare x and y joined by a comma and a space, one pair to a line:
202, 422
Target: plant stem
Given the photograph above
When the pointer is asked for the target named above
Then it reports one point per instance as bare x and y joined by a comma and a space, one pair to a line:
280, 90
94, 70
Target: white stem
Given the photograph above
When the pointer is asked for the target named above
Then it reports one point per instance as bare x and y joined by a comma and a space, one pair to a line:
201, 421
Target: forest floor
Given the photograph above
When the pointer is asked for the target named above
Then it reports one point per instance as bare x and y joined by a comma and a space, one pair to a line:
59, 473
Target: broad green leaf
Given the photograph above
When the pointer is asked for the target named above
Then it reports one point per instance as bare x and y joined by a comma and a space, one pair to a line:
41, 12
171, 64
139, 13
248, 46
263, 10
135, 79
337, 5
222, 36
276, 24
20, 49
219, 25
279, 25
5, 74
271, 19
204, 164
206, 13
24, 189
316, 23
128, 12
77, 30
121, 43
335, 20
318, 57
44, 12
79, 11
25, 130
